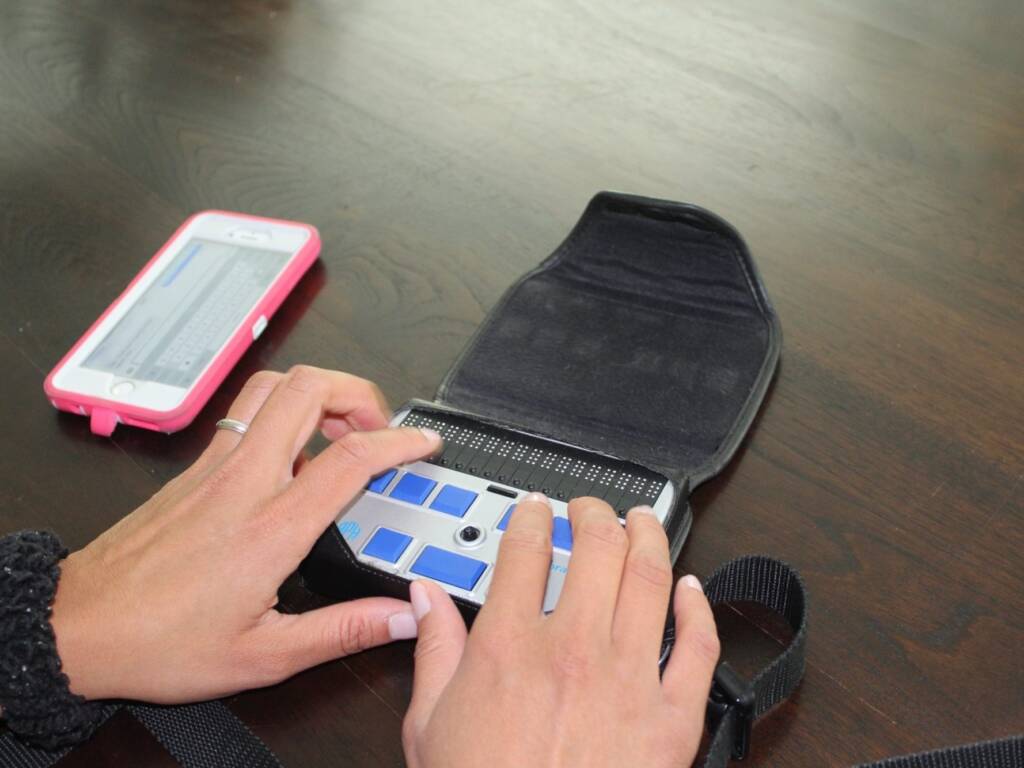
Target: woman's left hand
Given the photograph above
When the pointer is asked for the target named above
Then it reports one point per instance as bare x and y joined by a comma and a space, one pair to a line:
176, 602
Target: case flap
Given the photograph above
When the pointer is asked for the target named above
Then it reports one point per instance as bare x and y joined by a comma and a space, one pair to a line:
646, 335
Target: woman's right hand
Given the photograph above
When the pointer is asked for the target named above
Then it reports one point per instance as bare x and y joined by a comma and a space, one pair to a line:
579, 687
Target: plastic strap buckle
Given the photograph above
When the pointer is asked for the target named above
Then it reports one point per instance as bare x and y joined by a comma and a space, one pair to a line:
730, 693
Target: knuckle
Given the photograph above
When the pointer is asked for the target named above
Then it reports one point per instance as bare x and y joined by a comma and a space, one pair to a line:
376, 393
220, 480
262, 524
650, 570
354, 634
529, 540
428, 646
648, 525
364, 387
590, 505
278, 665
705, 644
605, 531
304, 378
490, 646
270, 662
499, 639
353, 448
366, 392
263, 380
574, 661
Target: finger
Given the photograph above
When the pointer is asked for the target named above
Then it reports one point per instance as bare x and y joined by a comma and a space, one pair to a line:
591, 586
289, 644
304, 398
439, 648
244, 409
687, 678
646, 586
335, 427
311, 501
524, 560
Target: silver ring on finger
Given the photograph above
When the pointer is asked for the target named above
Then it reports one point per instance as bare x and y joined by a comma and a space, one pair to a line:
234, 425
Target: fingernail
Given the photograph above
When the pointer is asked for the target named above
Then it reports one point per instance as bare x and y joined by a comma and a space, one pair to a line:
693, 582
536, 498
420, 600
402, 626
643, 509
431, 435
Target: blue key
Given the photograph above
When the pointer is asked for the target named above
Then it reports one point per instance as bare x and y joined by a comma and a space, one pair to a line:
380, 482
561, 534
504, 520
453, 500
387, 545
412, 488
442, 565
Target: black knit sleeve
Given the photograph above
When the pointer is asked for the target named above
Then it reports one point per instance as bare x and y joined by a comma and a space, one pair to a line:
37, 704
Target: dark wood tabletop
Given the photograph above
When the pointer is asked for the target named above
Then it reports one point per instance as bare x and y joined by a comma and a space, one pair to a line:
872, 154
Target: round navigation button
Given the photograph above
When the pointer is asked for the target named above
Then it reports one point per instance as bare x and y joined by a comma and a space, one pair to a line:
122, 388
469, 536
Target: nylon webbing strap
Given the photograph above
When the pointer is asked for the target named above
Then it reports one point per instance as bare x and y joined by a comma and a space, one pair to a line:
17, 755
206, 735
209, 735
775, 585
999, 753
734, 704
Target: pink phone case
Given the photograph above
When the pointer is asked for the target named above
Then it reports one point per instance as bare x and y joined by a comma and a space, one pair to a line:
105, 415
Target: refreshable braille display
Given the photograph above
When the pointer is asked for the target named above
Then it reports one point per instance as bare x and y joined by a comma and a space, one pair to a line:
443, 518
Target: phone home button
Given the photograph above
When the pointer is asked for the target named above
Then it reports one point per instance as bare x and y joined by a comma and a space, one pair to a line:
122, 388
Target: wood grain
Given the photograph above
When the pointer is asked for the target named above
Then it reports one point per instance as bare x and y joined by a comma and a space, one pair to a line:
871, 153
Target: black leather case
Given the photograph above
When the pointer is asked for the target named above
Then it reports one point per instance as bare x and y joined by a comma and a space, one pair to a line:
647, 335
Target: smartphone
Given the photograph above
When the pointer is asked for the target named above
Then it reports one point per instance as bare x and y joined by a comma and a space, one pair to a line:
443, 518
158, 352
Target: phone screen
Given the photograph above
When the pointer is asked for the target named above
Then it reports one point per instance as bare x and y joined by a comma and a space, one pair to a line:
187, 313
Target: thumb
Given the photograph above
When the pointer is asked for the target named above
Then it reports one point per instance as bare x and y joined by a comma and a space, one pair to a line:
691, 666
299, 641
439, 647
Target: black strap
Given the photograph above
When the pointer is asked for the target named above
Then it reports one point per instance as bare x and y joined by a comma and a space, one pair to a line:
999, 753
209, 735
205, 735
734, 703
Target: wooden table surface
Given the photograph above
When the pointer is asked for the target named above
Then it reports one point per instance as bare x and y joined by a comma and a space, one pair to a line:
871, 153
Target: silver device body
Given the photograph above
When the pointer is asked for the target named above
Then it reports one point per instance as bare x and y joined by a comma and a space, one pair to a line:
427, 527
